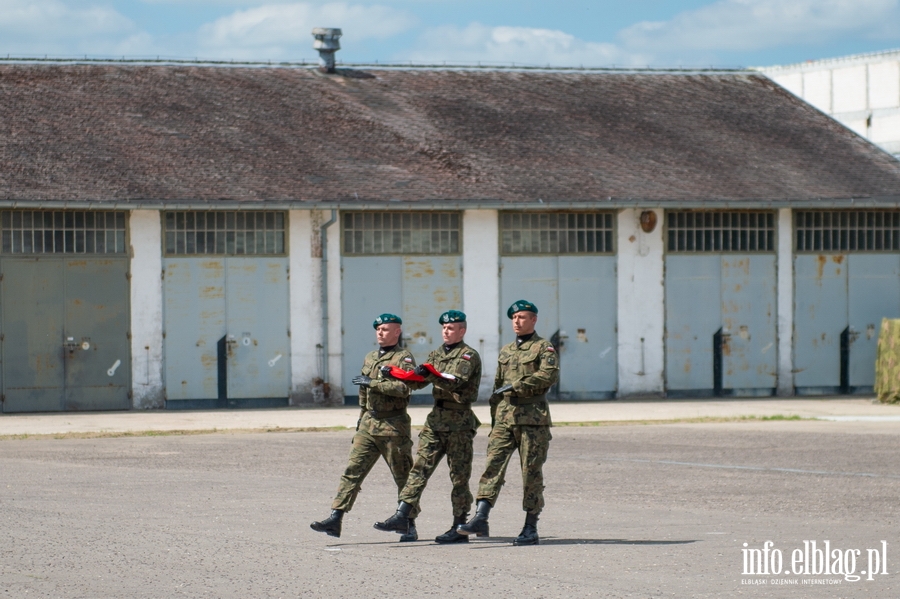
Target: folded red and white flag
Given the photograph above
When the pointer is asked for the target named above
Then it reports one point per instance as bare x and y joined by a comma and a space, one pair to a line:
405, 375
435, 372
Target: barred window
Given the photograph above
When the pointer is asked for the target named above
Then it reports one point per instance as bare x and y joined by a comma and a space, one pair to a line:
847, 230
556, 233
744, 231
368, 233
225, 233
62, 232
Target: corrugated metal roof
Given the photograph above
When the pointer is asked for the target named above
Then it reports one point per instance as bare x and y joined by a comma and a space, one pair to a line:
207, 136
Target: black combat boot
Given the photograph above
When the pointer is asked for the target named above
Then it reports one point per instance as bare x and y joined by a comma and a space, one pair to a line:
452, 535
529, 535
330, 525
478, 525
411, 534
399, 522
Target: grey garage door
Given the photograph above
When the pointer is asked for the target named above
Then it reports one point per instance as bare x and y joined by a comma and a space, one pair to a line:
407, 264
227, 342
720, 304
64, 301
847, 278
565, 264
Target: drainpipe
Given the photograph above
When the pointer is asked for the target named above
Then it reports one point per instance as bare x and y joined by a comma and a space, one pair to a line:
323, 236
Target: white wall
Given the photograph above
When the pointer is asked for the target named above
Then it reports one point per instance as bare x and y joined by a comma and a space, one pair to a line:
641, 305
785, 302
861, 92
481, 289
145, 233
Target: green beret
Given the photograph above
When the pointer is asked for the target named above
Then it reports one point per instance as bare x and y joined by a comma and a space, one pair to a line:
452, 316
386, 319
519, 306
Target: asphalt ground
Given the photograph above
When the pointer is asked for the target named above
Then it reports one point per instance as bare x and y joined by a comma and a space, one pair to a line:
635, 510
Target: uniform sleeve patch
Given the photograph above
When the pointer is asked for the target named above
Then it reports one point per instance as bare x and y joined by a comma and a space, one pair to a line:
550, 348
407, 360
467, 356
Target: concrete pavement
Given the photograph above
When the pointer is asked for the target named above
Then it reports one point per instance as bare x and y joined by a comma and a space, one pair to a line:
640, 410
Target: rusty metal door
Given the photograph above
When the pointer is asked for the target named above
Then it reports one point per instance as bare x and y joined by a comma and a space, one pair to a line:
65, 334
576, 300
226, 332
820, 316
749, 325
874, 293
693, 315
840, 300
371, 285
416, 288
431, 285
98, 353
721, 325
257, 317
33, 335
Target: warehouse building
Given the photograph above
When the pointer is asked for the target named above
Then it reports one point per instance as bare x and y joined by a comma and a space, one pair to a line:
190, 236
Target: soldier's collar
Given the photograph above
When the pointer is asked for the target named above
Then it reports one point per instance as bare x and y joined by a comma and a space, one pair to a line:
521, 339
450, 348
386, 349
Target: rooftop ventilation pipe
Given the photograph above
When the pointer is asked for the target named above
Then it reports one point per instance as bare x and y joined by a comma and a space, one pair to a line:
327, 43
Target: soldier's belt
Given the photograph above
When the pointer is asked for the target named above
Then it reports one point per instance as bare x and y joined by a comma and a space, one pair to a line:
523, 401
381, 414
450, 405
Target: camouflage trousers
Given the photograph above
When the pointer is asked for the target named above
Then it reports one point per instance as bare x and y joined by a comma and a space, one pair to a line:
533, 443
397, 453
433, 446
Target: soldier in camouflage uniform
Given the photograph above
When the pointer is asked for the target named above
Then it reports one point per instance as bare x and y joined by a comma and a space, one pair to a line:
520, 419
449, 429
383, 428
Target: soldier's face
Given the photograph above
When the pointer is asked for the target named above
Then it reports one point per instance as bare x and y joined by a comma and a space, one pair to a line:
523, 322
453, 332
388, 334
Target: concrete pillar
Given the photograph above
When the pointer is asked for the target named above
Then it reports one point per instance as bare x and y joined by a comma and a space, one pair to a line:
305, 309
641, 305
481, 289
785, 302
307, 347
335, 322
145, 234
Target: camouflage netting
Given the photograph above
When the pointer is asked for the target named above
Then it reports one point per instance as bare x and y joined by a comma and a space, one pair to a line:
887, 362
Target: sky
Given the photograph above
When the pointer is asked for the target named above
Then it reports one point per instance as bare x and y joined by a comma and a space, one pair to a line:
636, 33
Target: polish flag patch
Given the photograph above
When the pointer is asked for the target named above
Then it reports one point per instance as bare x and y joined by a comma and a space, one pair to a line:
467, 356
407, 360
550, 348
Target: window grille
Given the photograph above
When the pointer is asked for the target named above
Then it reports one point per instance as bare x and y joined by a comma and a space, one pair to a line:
368, 233
556, 233
224, 233
847, 230
720, 231
62, 232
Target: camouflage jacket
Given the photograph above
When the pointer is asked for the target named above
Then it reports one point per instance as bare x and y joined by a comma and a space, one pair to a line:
464, 363
531, 368
385, 394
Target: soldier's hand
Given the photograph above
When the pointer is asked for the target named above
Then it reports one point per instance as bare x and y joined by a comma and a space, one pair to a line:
502, 390
362, 380
386, 371
421, 370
